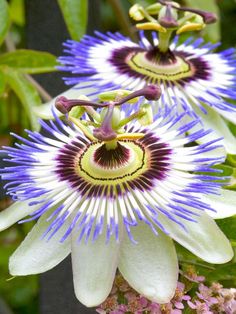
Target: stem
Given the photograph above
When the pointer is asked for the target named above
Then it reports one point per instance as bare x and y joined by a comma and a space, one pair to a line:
42, 92
122, 19
164, 41
196, 264
9, 43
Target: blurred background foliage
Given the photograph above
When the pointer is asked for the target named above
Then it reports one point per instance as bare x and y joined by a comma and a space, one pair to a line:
20, 93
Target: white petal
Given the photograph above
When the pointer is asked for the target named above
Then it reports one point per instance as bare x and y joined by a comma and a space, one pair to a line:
151, 266
212, 120
224, 204
14, 213
94, 267
45, 111
203, 238
228, 115
36, 255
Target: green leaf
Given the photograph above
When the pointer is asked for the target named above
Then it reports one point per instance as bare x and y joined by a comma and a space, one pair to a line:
3, 115
211, 32
2, 83
228, 226
26, 92
29, 61
17, 12
75, 15
4, 19
212, 272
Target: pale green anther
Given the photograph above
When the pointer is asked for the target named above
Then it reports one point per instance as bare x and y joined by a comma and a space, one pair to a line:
186, 18
147, 117
136, 13
115, 95
154, 8
77, 112
198, 19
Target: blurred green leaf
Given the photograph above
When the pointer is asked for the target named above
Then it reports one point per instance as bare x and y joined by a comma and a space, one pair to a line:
228, 226
29, 61
4, 19
211, 32
26, 92
212, 272
223, 273
3, 114
17, 12
75, 15
2, 83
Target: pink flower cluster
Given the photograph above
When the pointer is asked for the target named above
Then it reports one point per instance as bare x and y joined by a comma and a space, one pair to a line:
214, 300
203, 300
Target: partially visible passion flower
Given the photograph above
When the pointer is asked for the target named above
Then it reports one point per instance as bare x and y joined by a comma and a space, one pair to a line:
114, 194
190, 74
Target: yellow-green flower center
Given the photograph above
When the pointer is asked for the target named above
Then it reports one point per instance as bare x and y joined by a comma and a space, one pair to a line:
156, 70
98, 165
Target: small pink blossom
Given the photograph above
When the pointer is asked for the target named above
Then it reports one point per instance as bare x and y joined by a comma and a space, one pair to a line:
191, 274
206, 294
200, 307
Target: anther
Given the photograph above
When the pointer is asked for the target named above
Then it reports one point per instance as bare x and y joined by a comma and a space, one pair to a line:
208, 17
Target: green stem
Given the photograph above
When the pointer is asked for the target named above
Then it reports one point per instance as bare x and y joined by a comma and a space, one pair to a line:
122, 19
42, 92
196, 264
111, 144
164, 41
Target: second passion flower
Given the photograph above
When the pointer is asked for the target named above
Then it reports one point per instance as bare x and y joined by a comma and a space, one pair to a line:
114, 194
190, 73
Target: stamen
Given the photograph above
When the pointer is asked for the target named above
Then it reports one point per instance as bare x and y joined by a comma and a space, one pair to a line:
105, 132
64, 105
208, 17
151, 26
83, 128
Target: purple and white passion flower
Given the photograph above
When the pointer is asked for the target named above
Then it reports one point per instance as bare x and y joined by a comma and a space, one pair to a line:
190, 74
115, 194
